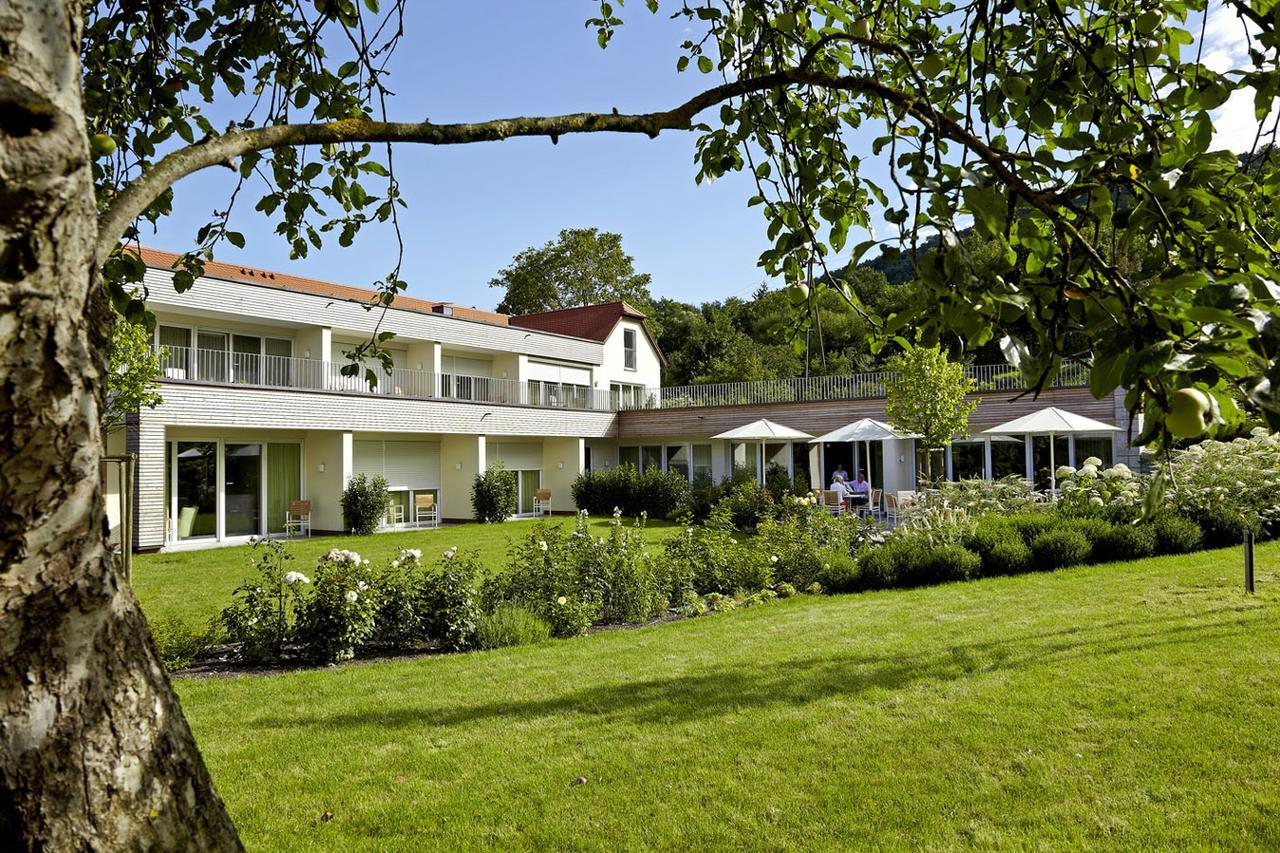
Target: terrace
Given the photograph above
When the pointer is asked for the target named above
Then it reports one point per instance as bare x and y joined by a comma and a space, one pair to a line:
219, 367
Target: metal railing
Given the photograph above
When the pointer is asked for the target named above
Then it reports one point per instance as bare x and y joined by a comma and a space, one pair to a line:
861, 386
186, 364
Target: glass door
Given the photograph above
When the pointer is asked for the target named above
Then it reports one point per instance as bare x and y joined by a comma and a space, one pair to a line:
177, 351
246, 354
284, 482
196, 489
242, 474
211, 356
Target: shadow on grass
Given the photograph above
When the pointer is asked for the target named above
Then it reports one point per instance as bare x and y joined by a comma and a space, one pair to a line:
693, 696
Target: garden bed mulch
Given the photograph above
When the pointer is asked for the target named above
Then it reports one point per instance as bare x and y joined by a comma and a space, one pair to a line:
222, 661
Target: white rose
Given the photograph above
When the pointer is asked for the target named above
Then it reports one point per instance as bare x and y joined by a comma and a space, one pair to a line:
296, 577
352, 596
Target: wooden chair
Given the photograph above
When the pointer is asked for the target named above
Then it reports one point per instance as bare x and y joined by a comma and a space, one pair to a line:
833, 501
297, 518
873, 507
425, 510
542, 502
891, 508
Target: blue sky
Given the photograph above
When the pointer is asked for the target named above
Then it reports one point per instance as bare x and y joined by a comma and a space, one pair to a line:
473, 207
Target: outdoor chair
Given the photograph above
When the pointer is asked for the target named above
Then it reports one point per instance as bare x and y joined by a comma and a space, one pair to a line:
542, 502
892, 508
297, 518
425, 510
873, 507
395, 515
832, 501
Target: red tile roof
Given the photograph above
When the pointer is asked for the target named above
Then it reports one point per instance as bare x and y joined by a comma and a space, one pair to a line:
594, 322
251, 275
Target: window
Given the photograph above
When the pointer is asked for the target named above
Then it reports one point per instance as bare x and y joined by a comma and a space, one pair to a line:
211, 356
177, 358
629, 456
1092, 445
629, 349
968, 460
702, 462
643, 458
623, 395
678, 459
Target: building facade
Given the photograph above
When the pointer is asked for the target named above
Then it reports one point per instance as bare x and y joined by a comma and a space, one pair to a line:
258, 410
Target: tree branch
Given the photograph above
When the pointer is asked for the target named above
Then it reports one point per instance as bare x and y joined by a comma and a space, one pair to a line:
130, 203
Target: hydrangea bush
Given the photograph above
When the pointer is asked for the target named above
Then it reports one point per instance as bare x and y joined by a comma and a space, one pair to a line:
1093, 490
1240, 478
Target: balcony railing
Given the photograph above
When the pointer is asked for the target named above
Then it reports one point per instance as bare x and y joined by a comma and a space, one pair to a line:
861, 386
185, 364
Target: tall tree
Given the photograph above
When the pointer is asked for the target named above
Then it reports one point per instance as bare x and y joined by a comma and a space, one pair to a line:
1027, 117
927, 394
582, 266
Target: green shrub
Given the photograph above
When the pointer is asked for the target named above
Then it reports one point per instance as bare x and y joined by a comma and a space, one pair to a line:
262, 613
510, 626
543, 577
364, 503
710, 557
493, 495
943, 563
880, 567
1031, 525
1094, 531
178, 644
402, 618
1220, 525
784, 590
1056, 549
839, 572
451, 600
617, 572
1175, 534
747, 504
1125, 542
651, 493
340, 611
999, 546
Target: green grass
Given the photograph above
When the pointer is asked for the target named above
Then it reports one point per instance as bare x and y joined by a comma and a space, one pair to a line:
194, 586
1133, 706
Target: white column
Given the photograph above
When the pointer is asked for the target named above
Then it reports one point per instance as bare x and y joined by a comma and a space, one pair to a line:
986, 453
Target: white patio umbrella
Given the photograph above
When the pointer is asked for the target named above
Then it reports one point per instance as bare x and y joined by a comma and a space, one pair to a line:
1051, 421
762, 431
866, 430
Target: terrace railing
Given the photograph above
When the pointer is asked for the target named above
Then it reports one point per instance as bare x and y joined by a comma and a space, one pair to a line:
861, 386
187, 364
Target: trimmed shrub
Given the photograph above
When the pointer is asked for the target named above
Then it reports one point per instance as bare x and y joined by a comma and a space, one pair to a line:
1220, 525
943, 563
651, 493
1094, 531
340, 611
999, 546
451, 601
1125, 542
1031, 525
839, 573
784, 590
510, 626
493, 495
884, 567
1057, 549
364, 503
1175, 534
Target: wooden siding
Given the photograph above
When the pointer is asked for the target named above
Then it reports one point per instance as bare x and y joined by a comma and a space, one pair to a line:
242, 301
819, 417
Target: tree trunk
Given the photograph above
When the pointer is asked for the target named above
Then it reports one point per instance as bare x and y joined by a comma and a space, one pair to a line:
94, 750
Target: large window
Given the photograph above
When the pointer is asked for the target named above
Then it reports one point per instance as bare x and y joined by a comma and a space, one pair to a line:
1043, 462
177, 359
220, 356
1008, 457
243, 497
629, 349
969, 460
1092, 445
678, 459
196, 489
623, 395
702, 462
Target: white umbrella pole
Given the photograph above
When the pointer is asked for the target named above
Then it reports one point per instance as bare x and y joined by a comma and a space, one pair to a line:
1053, 469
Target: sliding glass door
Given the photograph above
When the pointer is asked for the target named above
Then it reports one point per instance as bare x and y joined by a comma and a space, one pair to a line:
196, 489
528, 483
242, 470
284, 482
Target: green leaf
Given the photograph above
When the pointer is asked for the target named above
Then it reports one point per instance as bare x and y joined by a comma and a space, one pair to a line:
705, 64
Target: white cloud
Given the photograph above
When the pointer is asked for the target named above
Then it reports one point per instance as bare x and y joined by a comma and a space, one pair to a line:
1226, 48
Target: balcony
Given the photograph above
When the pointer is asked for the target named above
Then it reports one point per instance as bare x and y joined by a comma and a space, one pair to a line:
861, 386
219, 367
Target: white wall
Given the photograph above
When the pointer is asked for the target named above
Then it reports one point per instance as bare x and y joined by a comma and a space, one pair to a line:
332, 450
648, 370
561, 465
462, 457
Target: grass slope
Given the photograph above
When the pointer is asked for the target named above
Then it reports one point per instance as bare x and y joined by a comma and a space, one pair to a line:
194, 586
1133, 705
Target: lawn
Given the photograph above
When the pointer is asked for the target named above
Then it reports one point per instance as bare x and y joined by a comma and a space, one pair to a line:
194, 586
1133, 705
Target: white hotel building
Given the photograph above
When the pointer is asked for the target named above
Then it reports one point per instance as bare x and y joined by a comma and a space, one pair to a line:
256, 412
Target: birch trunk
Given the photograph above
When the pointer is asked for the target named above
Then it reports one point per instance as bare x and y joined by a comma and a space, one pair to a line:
94, 750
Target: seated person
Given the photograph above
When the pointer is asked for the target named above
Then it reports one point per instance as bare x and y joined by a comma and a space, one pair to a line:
859, 490
841, 490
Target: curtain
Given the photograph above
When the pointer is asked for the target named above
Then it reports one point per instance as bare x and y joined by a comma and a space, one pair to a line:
284, 482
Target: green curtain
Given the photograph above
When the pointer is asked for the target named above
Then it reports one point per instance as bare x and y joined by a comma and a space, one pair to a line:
530, 482
284, 482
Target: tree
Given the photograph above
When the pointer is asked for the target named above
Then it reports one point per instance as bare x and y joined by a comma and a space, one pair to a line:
1029, 118
583, 266
133, 373
926, 394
